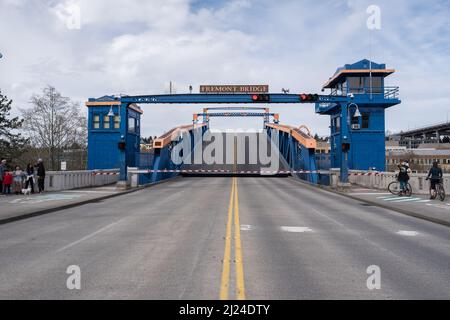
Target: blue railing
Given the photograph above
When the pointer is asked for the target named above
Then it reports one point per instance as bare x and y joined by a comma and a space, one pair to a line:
388, 92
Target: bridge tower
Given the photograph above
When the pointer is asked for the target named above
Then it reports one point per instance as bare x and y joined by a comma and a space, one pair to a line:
357, 137
109, 138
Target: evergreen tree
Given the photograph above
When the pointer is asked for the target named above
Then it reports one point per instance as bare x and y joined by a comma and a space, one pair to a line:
11, 141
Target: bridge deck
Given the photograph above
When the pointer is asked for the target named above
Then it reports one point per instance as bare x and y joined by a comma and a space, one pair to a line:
167, 242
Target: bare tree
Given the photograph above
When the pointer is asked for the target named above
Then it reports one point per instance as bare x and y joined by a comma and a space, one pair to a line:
54, 123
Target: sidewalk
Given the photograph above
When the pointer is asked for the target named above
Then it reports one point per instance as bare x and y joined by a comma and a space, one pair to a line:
419, 206
18, 207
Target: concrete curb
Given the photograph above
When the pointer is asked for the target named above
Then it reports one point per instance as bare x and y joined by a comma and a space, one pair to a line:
80, 203
373, 203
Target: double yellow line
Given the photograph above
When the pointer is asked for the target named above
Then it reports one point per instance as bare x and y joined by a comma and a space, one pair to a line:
225, 282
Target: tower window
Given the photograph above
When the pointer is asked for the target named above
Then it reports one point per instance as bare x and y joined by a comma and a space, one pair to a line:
131, 125
106, 124
116, 122
365, 121
96, 121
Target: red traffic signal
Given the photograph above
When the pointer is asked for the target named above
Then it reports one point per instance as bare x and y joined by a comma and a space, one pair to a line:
307, 97
345, 147
122, 145
260, 98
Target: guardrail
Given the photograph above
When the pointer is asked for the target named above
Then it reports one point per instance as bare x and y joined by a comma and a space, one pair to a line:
388, 92
66, 180
381, 180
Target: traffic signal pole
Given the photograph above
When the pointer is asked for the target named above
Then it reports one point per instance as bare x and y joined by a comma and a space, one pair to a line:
123, 181
344, 140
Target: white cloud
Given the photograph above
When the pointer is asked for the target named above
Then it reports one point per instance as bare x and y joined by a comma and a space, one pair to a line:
136, 47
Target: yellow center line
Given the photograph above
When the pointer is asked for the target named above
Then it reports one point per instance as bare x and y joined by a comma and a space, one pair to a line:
233, 206
225, 282
240, 288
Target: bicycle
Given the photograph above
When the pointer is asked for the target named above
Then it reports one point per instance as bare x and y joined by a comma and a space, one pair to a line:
394, 188
439, 191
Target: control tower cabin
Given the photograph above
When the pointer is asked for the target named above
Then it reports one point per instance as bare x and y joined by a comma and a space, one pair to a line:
358, 128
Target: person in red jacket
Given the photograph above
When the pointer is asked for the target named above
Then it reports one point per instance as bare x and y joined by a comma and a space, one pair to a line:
7, 181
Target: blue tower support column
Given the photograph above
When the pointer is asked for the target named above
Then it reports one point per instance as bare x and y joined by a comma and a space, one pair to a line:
344, 139
363, 133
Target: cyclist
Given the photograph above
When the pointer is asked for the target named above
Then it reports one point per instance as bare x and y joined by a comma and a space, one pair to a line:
403, 176
435, 176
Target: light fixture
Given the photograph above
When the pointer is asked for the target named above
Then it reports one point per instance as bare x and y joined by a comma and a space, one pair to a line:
111, 112
357, 112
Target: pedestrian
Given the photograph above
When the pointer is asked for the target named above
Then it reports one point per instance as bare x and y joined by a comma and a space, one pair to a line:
7, 181
18, 177
41, 175
2, 173
403, 176
29, 182
435, 177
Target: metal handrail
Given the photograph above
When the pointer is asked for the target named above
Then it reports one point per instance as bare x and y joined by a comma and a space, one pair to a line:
388, 92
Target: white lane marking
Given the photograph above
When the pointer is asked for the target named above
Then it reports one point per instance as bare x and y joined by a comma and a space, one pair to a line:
401, 198
89, 191
329, 218
246, 227
368, 193
423, 201
385, 198
45, 198
89, 235
407, 200
407, 233
296, 229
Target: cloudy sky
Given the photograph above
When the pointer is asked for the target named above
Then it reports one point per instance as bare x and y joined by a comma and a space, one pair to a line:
138, 46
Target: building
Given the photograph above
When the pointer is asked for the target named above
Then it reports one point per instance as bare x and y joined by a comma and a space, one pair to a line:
435, 135
323, 151
357, 137
420, 160
421, 147
105, 139
394, 146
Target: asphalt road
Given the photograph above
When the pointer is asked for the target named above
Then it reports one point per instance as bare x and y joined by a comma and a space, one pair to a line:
223, 237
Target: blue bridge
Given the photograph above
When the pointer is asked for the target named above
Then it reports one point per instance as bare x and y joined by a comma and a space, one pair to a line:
355, 104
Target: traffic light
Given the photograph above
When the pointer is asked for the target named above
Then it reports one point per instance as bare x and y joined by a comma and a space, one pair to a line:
121, 145
345, 147
260, 98
308, 97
